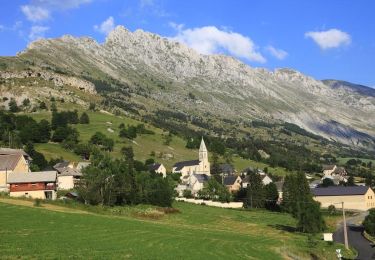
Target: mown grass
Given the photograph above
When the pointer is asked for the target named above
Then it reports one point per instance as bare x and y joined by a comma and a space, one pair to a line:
197, 232
143, 145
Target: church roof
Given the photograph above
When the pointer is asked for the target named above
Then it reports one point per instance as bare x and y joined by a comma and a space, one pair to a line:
201, 178
203, 147
181, 165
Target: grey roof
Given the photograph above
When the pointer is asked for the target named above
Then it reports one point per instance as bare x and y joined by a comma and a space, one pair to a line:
154, 166
70, 172
9, 151
340, 191
226, 168
32, 177
230, 180
61, 165
181, 165
82, 165
328, 167
13, 151
9, 161
202, 177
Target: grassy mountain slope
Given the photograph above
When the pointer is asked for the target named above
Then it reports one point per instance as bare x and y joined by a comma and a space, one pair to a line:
143, 145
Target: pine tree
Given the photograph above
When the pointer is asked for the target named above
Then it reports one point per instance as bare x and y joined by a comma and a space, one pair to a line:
255, 192
272, 196
298, 201
84, 119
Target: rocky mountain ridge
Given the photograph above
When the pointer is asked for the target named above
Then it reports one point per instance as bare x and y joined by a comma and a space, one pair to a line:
221, 85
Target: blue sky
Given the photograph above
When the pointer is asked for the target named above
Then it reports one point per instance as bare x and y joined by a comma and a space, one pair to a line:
324, 39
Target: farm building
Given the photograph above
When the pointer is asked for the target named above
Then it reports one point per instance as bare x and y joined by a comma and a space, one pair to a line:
37, 185
232, 182
354, 197
68, 178
12, 161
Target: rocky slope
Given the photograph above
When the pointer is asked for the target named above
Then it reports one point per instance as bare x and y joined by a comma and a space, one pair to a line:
177, 77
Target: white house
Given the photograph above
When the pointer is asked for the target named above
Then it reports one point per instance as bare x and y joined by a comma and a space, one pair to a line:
196, 182
265, 179
68, 178
158, 168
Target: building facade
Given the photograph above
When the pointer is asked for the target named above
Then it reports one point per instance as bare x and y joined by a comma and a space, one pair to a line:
12, 161
36, 185
354, 197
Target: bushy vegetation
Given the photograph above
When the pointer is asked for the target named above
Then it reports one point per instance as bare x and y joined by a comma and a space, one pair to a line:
213, 190
117, 182
298, 201
369, 222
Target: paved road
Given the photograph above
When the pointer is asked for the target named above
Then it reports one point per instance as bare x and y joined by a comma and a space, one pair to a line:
364, 248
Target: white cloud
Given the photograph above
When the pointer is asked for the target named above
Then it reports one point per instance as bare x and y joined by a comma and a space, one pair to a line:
2, 28
277, 53
176, 26
106, 26
146, 3
332, 38
37, 32
35, 13
40, 10
211, 40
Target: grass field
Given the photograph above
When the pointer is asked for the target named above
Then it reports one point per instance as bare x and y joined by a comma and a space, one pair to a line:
343, 160
197, 232
143, 145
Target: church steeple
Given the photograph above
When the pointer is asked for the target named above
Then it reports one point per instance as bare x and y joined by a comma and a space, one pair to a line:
203, 154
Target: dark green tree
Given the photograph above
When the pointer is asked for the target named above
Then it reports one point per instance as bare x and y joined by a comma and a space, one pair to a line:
327, 182
255, 197
84, 119
369, 222
13, 107
272, 196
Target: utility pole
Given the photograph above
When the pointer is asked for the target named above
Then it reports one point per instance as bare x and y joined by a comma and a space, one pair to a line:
345, 230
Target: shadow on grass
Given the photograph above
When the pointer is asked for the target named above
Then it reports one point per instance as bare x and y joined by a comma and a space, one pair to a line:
284, 228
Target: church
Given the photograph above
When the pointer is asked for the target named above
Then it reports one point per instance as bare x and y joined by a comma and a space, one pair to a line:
200, 166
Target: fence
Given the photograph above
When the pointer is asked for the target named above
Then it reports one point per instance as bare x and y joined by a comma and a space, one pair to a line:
230, 205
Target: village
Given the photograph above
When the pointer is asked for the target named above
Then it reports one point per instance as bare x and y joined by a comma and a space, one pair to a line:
17, 180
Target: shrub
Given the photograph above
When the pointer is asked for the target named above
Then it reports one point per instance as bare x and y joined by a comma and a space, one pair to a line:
369, 222
37, 203
332, 210
187, 194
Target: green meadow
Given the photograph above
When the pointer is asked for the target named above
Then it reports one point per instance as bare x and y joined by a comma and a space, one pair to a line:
196, 232
143, 145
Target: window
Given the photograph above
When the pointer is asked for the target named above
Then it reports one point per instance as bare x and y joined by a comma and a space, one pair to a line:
33, 184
